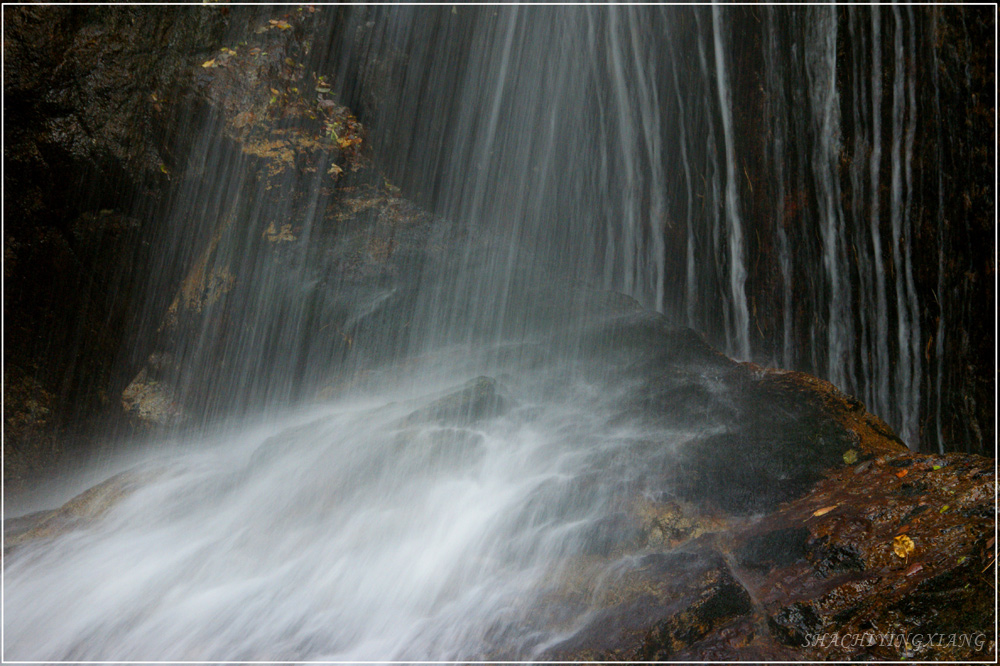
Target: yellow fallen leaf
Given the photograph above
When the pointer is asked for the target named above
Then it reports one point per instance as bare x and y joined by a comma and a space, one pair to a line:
850, 457
825, 510
209, 63
903, 546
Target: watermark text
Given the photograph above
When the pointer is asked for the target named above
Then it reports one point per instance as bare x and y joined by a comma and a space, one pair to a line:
895, 640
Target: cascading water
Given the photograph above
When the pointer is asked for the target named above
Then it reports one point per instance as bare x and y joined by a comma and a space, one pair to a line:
479, 433
364, 529
738, 331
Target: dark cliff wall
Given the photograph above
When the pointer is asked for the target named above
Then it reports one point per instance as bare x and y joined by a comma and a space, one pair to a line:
108, 112
932, 204
97, 117
907, 180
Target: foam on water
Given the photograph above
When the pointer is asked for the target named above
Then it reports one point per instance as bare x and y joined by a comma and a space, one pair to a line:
356, 530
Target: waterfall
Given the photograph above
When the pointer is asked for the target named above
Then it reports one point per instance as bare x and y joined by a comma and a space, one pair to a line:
740, 334
408, 395
775, 80
940, 232
690, 273
904, 370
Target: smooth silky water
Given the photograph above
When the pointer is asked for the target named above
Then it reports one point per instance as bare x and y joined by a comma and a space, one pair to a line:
363, 528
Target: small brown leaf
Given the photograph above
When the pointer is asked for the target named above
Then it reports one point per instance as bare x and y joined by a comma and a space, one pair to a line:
901, 473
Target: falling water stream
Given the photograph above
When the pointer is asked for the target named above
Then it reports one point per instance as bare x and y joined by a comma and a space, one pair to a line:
583, 165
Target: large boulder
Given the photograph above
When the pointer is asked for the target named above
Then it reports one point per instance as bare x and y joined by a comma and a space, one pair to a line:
751, 514
886, 559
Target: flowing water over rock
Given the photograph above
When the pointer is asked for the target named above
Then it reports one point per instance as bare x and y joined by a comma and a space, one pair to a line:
478, 429
360, 530
420, 519
424, 521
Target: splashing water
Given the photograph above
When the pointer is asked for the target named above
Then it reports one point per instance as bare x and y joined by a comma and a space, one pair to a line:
401, 526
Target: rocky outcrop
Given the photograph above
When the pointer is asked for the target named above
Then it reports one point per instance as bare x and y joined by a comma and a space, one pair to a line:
804, 530
96, 103
311, 205
101, 109
886, 559
85, 509
478, 399
758, 514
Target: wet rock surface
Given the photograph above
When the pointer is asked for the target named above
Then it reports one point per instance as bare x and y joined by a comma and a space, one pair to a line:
826, 539
97, 100
480, 398
817, 578
101, 109
80, 511
793, 514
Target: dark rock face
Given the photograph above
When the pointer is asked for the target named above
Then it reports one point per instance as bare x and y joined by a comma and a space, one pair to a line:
768, 435
479, 399
817, 578
773, 549
670, 602
96, 99
101, 106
